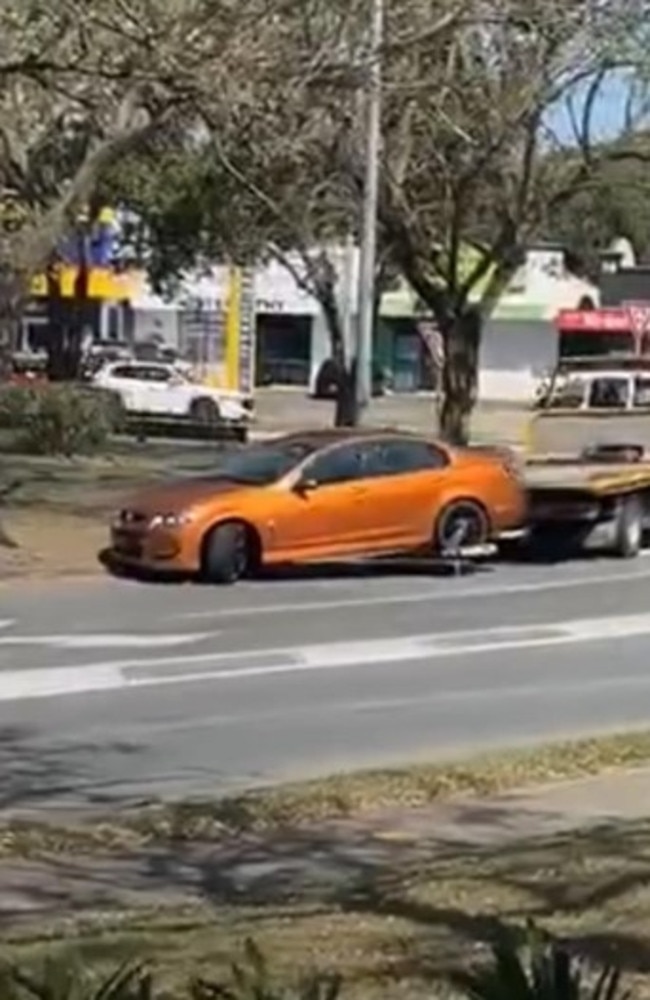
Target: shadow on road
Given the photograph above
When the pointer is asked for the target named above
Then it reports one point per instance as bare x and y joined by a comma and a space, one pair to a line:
34, 772
315, 571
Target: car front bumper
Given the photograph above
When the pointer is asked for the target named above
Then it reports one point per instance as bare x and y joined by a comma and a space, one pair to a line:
152, 549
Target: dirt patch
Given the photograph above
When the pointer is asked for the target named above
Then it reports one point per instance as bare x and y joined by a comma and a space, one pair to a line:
51, 544
59, 510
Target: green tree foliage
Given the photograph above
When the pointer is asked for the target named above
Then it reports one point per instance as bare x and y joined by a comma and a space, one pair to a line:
615, 204
82, 85
466, 158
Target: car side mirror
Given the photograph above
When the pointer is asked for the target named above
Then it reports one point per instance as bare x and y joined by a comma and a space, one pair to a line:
304, 486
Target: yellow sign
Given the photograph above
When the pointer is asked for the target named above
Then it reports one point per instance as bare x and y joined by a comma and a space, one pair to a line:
103, 283
233, 329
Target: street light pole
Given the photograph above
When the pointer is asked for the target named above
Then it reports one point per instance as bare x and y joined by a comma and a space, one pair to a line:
368, 255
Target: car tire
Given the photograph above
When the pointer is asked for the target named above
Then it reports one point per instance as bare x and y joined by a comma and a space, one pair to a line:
205, 411
628, 537
226, 554
468, 512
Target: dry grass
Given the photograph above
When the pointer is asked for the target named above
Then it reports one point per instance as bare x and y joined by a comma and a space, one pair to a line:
394, 916
58, 513
395, 929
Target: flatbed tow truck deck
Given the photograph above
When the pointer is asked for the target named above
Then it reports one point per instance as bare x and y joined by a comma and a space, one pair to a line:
597, 479
587, 469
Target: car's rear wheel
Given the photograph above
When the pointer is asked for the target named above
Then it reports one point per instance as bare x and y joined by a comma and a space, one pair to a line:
227, 554
628, 538
205, 411
461, 524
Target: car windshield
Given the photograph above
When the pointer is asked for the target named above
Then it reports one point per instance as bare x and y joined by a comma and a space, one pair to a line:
264, 464
567, 393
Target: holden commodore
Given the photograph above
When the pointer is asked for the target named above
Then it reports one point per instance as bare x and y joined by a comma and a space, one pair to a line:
320, 496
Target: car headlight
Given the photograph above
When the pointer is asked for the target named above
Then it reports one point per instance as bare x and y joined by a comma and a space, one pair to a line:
170, 520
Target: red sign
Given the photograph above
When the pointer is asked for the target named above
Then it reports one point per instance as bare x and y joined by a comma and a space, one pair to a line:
638, 317
593, 320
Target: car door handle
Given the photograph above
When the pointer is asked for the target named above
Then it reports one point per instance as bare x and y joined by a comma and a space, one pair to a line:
359, 490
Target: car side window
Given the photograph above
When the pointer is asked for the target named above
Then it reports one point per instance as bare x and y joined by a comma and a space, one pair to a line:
123, 371
642, 391
394, 458
340, 465
151, 373
609, 393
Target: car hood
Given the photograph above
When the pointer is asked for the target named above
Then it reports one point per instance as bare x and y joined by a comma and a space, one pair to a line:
174, 497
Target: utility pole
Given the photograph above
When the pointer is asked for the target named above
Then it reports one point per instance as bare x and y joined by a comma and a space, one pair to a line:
366, 298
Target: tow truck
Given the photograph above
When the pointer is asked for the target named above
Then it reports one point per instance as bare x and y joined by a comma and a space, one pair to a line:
587, 466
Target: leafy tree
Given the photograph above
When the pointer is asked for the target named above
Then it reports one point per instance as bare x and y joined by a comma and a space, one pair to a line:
477, 170
615, 204
80, 87
469, 171
265, 179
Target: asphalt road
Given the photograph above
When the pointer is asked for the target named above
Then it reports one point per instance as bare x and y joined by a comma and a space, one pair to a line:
115, 691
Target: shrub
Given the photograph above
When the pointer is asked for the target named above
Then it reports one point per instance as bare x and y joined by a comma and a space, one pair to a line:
65, 977
58, 419
538, 968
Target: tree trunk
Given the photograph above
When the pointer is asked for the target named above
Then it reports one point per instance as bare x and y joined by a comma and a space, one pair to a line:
79, 310
460, 377
56, 325
346, 410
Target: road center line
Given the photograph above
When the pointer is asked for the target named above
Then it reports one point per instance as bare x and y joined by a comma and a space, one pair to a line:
129, 674
420, 597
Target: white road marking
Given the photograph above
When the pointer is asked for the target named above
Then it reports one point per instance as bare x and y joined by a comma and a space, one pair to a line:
122, 674
7, 622
108, 641
418, 597
16, 685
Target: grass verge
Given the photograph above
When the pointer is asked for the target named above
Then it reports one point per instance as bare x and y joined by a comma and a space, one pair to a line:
392, 927
58, 513
342, 796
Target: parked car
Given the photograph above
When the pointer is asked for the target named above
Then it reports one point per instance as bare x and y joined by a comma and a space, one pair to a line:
327, 380
162, 390
321, 496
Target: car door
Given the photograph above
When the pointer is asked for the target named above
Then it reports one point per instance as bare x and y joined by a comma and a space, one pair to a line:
325, 514
158, 393
405, 477
123, 380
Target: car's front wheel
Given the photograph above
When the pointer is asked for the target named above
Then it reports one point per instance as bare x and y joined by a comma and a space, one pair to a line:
205, 411
226, 554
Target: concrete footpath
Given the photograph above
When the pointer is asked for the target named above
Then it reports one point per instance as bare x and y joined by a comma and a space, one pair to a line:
300, 863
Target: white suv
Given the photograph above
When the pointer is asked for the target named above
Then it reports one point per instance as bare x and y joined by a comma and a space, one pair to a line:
158, 389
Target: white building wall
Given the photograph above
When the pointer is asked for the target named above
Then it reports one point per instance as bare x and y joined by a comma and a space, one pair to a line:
519, 341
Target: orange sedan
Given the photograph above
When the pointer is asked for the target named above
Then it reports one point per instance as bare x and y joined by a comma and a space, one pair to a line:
320, 496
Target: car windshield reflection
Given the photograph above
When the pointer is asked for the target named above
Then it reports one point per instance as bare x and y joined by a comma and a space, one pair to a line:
265, 464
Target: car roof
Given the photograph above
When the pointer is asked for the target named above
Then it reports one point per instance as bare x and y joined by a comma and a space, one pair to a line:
329, 437
139, 363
